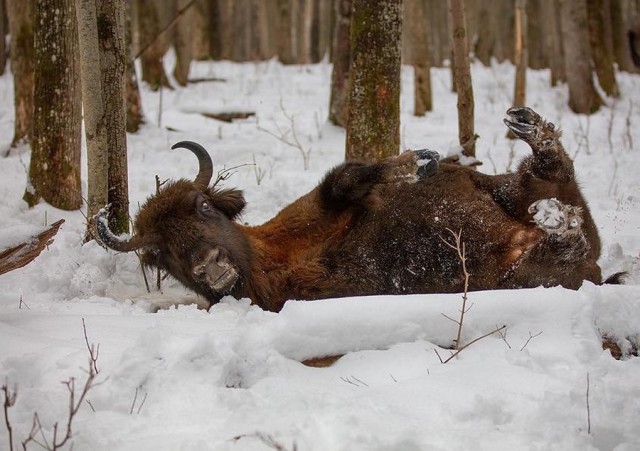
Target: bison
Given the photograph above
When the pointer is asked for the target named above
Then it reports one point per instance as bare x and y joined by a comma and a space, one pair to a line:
381, 228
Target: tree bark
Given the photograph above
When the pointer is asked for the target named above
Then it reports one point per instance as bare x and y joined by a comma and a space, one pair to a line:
462, 75
183, 43
421, 58
21, 25
551, 9
601, 47
54, 169
619, 27
135, 116
373, 130
113, 64
93, 108
3, 32
285, 32
583, 97
341, 55
521, 54
149, 23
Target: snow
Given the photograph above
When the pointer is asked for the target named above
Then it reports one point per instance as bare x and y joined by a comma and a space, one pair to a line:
230, 379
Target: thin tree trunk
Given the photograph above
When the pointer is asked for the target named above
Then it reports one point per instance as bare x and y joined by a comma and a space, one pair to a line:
151, 59
285, 35
373, 131
21, 22
54, 170
93, 108
183, 43
462, 75
521, 53
421, 58
113, 63
619, 27
135, 117
3, 32
583, 97
341, 55
557, 60
600, 49
520, 57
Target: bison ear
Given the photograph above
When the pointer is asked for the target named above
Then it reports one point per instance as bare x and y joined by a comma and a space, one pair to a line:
229, 201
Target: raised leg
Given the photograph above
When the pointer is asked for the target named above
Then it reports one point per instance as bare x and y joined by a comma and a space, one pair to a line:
353, 184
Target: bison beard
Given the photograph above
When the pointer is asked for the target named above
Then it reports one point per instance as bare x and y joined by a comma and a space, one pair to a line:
378, 229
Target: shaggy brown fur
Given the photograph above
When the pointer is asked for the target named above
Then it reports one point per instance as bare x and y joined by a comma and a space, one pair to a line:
383, 228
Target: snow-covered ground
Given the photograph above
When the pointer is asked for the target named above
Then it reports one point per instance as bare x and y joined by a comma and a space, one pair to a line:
184, 378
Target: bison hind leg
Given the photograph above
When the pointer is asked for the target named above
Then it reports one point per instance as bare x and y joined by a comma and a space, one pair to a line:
563, 225
556, 218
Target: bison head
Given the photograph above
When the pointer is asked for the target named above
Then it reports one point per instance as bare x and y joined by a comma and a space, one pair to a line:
188, 229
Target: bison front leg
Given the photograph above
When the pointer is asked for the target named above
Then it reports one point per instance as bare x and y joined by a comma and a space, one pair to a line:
353, 184
549, 161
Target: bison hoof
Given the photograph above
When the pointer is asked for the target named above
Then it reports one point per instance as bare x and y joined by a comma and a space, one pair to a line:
556, 218
427, 161
216, 271
525, 123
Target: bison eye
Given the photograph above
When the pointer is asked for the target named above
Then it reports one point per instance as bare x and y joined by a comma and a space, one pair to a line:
205, 208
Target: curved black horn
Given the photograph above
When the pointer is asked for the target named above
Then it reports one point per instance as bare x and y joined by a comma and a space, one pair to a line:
106, 237
206, 165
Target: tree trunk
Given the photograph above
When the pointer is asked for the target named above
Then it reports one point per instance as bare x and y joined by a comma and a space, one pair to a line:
583, 97
551, 9
535, 35
483, 48
373, 131
341, 55
285, 33
420, 57
135, 117
54, 170
438, 27
521, 54
152, 47
619, 27
601, 50
21, 22
93, 108
183, 43
113, 64
3, 32
462, 75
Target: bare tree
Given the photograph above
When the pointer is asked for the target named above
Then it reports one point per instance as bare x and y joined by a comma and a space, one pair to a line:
583, 97
21, 22
183, 43
619, 27
462, 77
420, 57
598, 15
103, 64
338, 104
520, 57
3, 50
556, 51
135, 117
373, 130
153, 47
54, 169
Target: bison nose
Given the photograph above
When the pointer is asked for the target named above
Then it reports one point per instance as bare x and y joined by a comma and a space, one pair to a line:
216, 270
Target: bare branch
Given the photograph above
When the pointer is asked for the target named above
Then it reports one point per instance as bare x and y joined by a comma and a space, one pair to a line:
588, 407
94, 351
531, 337
9, 401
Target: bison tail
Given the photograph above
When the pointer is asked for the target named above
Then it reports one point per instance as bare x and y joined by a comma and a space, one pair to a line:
616, 279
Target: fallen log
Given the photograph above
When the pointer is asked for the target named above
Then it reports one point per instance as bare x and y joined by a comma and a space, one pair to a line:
15, 257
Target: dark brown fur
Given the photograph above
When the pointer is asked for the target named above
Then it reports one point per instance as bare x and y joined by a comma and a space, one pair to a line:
373, 229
